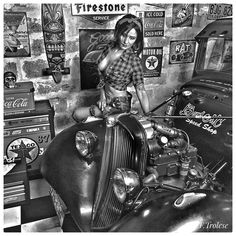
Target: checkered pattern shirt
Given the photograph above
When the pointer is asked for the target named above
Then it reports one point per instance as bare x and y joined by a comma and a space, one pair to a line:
120, 73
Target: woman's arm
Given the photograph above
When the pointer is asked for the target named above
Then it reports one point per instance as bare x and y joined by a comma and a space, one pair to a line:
137, 77
143, 98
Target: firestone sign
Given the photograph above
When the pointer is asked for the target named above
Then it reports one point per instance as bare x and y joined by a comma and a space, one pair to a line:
99, 13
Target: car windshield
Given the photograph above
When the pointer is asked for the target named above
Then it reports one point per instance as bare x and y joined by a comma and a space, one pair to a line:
217, 55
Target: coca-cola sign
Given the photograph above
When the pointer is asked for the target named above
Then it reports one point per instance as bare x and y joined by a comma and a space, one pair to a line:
19, 102
14, 103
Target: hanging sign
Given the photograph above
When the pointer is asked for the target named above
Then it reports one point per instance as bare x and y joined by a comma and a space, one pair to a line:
99, 13
22, 148
154, 23
182, 15
152, 62
217, 11
16, 37
92, 42
182, 51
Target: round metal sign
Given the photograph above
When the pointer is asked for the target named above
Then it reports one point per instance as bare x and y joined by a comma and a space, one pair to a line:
23, 148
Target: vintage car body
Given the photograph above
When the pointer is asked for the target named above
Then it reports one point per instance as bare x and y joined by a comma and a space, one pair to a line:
85, 184
134, 173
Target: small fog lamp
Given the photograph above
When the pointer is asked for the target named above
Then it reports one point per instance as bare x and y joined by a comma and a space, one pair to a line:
85, 142
187, 93
126, 184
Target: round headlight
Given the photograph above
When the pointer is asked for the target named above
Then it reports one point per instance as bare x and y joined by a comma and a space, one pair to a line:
126, 184
85, 142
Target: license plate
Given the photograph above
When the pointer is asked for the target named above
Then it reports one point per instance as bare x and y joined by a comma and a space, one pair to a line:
219, 10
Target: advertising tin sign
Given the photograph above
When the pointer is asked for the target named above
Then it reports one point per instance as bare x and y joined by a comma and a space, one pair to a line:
182, 15
217, 11
154, 23
19, 99
99, 13
22, 148
152, 61
182, 51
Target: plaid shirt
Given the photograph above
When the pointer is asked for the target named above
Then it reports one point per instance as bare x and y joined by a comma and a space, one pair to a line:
120, 73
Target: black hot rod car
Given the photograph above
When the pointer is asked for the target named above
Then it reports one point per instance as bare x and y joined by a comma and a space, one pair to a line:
134, 173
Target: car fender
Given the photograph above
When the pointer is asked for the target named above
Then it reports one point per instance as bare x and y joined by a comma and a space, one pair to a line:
72, 176
213, 212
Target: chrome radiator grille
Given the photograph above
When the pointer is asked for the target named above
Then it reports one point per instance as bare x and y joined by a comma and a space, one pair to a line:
121, 154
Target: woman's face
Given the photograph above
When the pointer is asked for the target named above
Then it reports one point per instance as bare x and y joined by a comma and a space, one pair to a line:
127, 39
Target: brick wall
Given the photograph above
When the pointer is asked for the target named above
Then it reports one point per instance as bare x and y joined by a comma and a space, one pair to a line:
68, 94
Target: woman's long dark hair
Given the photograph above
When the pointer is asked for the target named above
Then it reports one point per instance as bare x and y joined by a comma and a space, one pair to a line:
125, 24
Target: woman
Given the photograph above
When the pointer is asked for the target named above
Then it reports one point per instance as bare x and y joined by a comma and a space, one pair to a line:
118, 66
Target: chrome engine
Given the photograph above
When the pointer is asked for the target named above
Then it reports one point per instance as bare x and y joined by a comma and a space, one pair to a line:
172, 161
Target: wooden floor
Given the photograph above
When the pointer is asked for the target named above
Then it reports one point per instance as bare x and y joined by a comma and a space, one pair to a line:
37, 216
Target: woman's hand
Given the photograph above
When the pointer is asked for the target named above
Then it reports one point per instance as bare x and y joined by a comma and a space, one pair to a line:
102, 103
